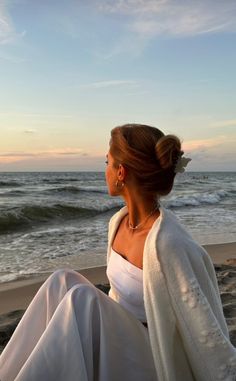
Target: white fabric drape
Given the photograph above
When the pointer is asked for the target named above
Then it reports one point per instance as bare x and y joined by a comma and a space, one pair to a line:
72, 331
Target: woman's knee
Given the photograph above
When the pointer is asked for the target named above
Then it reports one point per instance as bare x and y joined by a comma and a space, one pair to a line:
65, 278
58, 275
61, 273
83, 293
66, 274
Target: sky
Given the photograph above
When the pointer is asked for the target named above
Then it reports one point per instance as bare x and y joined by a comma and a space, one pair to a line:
72, 70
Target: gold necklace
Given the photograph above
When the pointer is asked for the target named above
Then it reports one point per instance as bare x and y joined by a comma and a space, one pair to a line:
142, 223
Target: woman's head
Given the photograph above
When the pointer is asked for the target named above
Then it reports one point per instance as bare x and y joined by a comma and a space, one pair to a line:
147, 154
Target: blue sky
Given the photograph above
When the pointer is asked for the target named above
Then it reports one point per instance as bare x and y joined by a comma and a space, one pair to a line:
72, 70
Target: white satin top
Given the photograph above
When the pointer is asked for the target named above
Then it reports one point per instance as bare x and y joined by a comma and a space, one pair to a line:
126, 281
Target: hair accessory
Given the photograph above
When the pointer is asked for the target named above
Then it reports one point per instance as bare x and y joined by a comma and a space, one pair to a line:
181, 164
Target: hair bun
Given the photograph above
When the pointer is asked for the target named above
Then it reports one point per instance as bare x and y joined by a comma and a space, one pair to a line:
168, 150
148, 155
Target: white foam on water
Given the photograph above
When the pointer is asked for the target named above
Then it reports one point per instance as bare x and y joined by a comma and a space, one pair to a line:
8, 277
196, 199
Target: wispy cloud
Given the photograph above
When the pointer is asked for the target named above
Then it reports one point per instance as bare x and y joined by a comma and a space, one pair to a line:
224, 123
131, 6
151, 18
137, 22
216, 153
110, 83
142, 21
10, 157
29, 132
35, 115
6, 27
202, 145
8, 33
17, 154
211, 147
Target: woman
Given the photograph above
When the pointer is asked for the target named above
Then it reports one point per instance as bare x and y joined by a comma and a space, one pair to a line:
163, 318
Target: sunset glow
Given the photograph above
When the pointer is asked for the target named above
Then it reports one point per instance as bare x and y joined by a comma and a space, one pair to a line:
71, 72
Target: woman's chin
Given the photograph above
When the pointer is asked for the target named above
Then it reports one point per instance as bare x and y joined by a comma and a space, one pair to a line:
112, 192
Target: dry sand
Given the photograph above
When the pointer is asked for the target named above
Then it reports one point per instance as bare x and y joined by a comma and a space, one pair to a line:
15, 296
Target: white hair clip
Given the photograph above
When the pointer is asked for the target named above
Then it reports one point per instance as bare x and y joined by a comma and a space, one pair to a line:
181, 164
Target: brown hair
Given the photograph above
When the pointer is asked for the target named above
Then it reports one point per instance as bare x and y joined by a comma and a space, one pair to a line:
148, 154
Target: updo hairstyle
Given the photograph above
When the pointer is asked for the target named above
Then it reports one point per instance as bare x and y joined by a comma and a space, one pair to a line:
148, 154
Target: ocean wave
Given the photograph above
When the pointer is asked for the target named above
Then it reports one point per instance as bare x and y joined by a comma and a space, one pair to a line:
74, 189
31, 215
12, 193
10, 184
101, 189
8, 277
197, 199
64, 189
59, 180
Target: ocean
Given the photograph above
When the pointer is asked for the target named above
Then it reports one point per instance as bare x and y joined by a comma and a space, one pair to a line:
54, 220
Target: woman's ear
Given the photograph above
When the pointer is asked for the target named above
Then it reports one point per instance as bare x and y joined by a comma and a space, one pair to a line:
122, 172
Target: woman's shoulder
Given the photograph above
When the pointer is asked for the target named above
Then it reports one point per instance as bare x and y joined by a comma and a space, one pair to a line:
172, 249
173, 237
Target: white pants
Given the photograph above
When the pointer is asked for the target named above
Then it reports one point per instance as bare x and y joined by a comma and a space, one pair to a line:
72, 331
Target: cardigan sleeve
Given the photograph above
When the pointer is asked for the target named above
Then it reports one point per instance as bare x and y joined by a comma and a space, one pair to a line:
198, 312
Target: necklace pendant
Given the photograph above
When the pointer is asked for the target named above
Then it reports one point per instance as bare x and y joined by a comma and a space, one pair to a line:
142, 223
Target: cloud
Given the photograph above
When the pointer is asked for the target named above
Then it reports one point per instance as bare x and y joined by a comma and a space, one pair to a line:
151, 18
204, 144
29, 131
111, 83
224, 123
8, 33
68, 159
6, 27
10, 157
67, 153
17, 154
142, 21
214, 154
131, 6
136, 22
35, 115
211, 146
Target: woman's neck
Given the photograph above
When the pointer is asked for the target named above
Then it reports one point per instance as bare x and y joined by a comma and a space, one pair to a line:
140, 210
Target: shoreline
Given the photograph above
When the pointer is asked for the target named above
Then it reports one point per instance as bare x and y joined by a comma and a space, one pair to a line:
17, 294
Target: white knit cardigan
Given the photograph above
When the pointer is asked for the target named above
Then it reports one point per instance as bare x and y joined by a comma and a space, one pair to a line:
186, 325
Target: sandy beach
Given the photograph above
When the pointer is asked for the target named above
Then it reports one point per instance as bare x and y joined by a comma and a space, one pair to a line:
15, 296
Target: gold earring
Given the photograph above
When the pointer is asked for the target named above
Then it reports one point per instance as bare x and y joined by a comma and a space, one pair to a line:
119, 185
